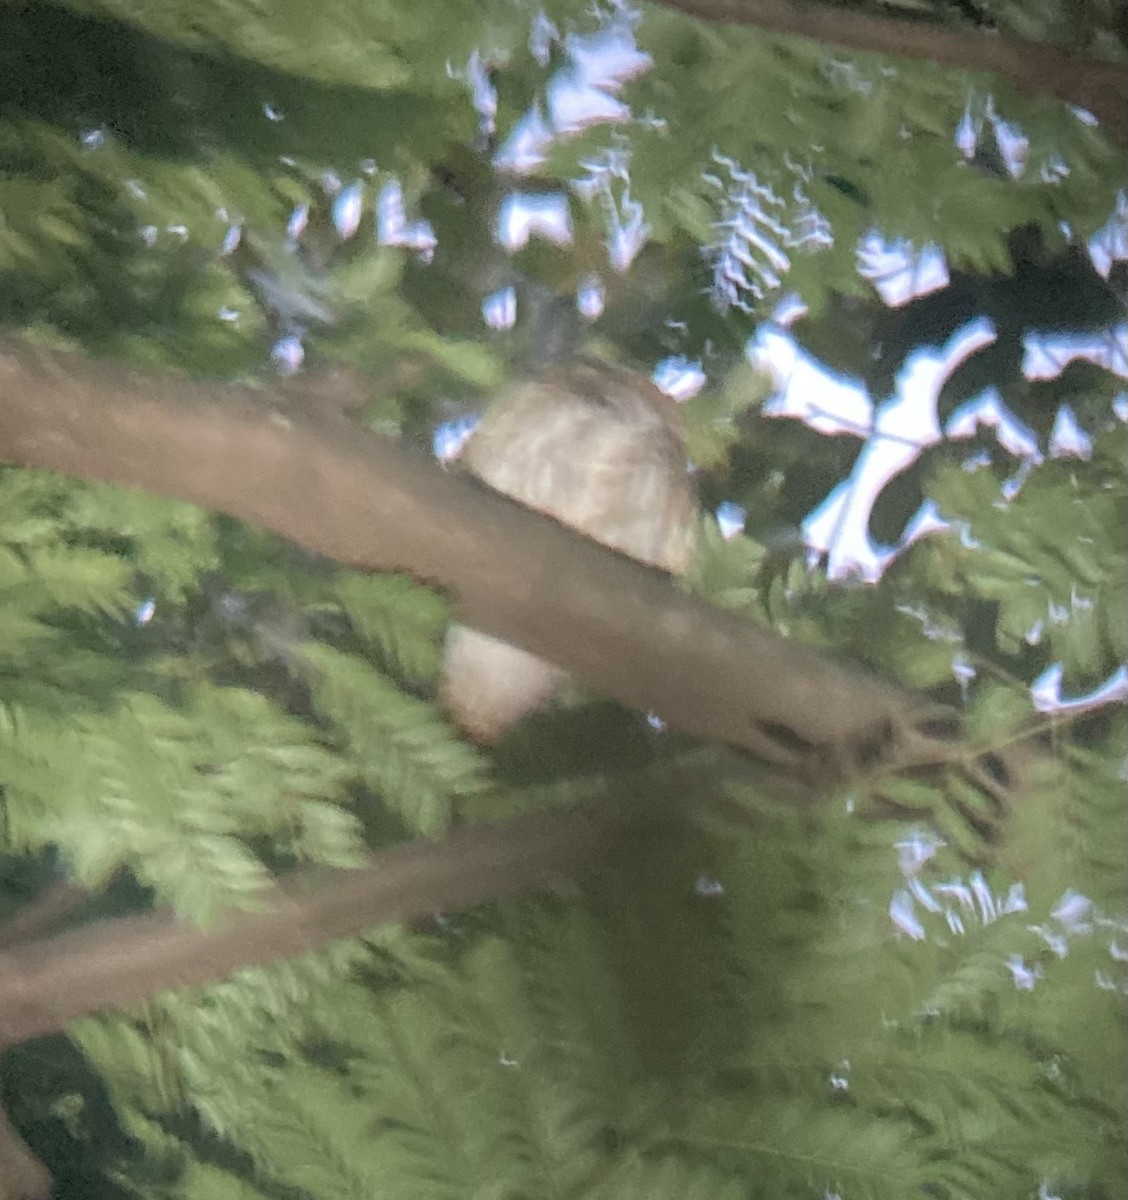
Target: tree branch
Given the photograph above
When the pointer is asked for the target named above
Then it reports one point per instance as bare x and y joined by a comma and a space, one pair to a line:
319, 480
1036, 68
114, 964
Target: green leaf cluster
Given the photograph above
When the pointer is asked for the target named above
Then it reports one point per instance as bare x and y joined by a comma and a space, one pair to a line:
1052, 561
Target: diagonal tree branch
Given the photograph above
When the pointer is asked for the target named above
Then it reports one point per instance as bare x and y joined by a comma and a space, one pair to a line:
1036, 68
114, 964
318, 479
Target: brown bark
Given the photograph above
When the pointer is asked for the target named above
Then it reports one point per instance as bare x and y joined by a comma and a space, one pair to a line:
113, 964
22, 1175
623, 628
1035, 68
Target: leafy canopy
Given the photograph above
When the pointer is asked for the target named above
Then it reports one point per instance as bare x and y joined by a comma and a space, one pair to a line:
859, 998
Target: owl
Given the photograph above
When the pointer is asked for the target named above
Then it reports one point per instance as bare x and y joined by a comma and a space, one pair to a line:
600, 449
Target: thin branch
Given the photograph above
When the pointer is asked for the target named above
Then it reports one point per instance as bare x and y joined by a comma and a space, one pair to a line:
114, 964
1036, 68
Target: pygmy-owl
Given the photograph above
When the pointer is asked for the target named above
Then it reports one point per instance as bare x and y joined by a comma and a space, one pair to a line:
600, 449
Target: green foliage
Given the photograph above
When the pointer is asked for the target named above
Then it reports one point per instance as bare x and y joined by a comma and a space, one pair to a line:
174, 793
769, 1000
1054, 560
135, 729
702, 1016
403, 622
400, 745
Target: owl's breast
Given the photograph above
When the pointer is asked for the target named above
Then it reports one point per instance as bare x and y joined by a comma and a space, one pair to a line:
599, 450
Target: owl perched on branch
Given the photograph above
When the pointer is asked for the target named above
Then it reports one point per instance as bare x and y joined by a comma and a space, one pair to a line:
600, 449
